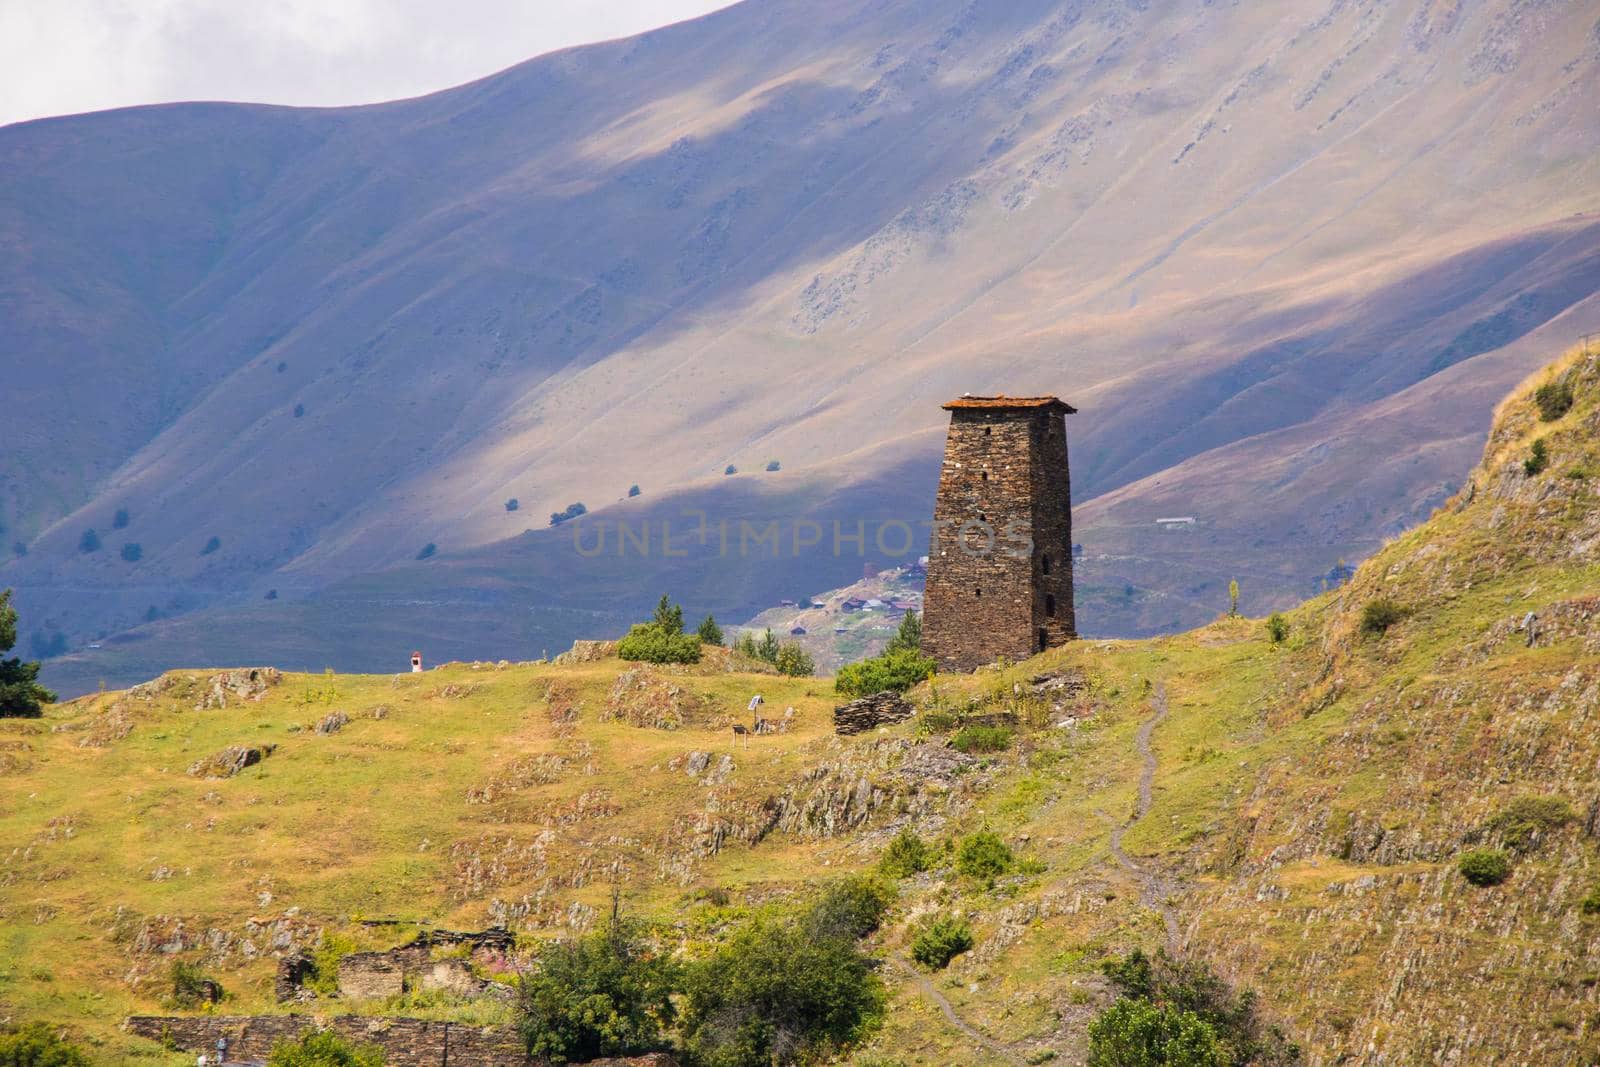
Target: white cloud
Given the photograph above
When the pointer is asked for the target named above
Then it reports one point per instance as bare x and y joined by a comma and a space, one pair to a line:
64, 56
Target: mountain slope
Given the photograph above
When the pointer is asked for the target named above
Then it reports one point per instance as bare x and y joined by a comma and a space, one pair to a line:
1297, 810
327, 338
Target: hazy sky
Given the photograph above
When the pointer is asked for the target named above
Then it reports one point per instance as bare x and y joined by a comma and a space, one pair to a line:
64, 56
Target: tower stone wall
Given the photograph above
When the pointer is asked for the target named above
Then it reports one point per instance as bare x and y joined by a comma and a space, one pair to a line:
1000, 562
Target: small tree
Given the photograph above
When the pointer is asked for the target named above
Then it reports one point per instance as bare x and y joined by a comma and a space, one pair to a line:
513, 504
211, 546
774, 465
607, 993
633, 490
1380, 614
767, 647
793, 660
324, 1048
132, 552
1484, 866
427, 551
709, 632
668, 616
729, 469
119, 521
20, 693
1277, 628
1233, 598
89, 542
908, 636
1138, 1033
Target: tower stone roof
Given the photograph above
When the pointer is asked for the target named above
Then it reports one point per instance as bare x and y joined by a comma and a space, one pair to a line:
1016, 403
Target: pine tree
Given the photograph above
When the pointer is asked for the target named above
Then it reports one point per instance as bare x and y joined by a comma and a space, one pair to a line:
669, 616
20, 692
709, 631
1233, 597
909, 635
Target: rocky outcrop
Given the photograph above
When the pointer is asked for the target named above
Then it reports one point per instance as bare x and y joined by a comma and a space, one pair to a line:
332, 722
236, 687
869, 713
643, 697
587, 652
231, 760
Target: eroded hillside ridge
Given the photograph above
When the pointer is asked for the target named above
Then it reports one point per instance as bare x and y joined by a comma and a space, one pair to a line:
1283, 279
1338, 871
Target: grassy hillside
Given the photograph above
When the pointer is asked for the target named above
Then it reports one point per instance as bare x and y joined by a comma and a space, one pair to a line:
1292, 813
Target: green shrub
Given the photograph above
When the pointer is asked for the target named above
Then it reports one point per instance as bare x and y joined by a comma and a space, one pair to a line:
89, 542
773, 465
1138, 1033
776, 994
119, 521
192, 987
21, 695
730, 469
212, 545
38, 1045
793, 660
936, 721
941, 939
1590, 905
851, 908
1133, 975
970, 739
132, 552
1379, 615
427, 551
649, 643
1277, 628
897, 670
324, 978
1484, 866
983, 856
1190, 988
906, 855
1538, 459
571, 511
513, 504
1554, 400
324, 1048
709, 632
633, 490
604, 994
1525, 821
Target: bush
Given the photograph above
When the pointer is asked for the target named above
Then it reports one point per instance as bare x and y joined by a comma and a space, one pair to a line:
633, 490
427, 551
89, 542
774, 465
1138, 1033
1379, 615
513, 504
119, 521
571, 511
1189, 988
983, 856
1538, 459
604, 994
776, 994
709, 632
850, 908
1277, 628
324, 1048
1590, 905
729, 469
647, 642
941, 939
1484, 866
1554, 400
793, 660
1522, 823
299, 410
970, 739
897, 669
192, 987
211, 546
38, 1045
132, 552
906, 855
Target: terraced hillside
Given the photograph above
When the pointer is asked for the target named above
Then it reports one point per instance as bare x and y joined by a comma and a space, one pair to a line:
1293, 813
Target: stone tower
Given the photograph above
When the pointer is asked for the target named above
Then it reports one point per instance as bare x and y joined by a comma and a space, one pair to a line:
1000, 563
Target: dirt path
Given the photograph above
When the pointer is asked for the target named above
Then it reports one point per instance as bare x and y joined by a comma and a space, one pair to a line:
975, 1035
1153, 890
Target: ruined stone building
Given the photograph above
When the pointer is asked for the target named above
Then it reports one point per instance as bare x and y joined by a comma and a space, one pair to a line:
1000, 568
